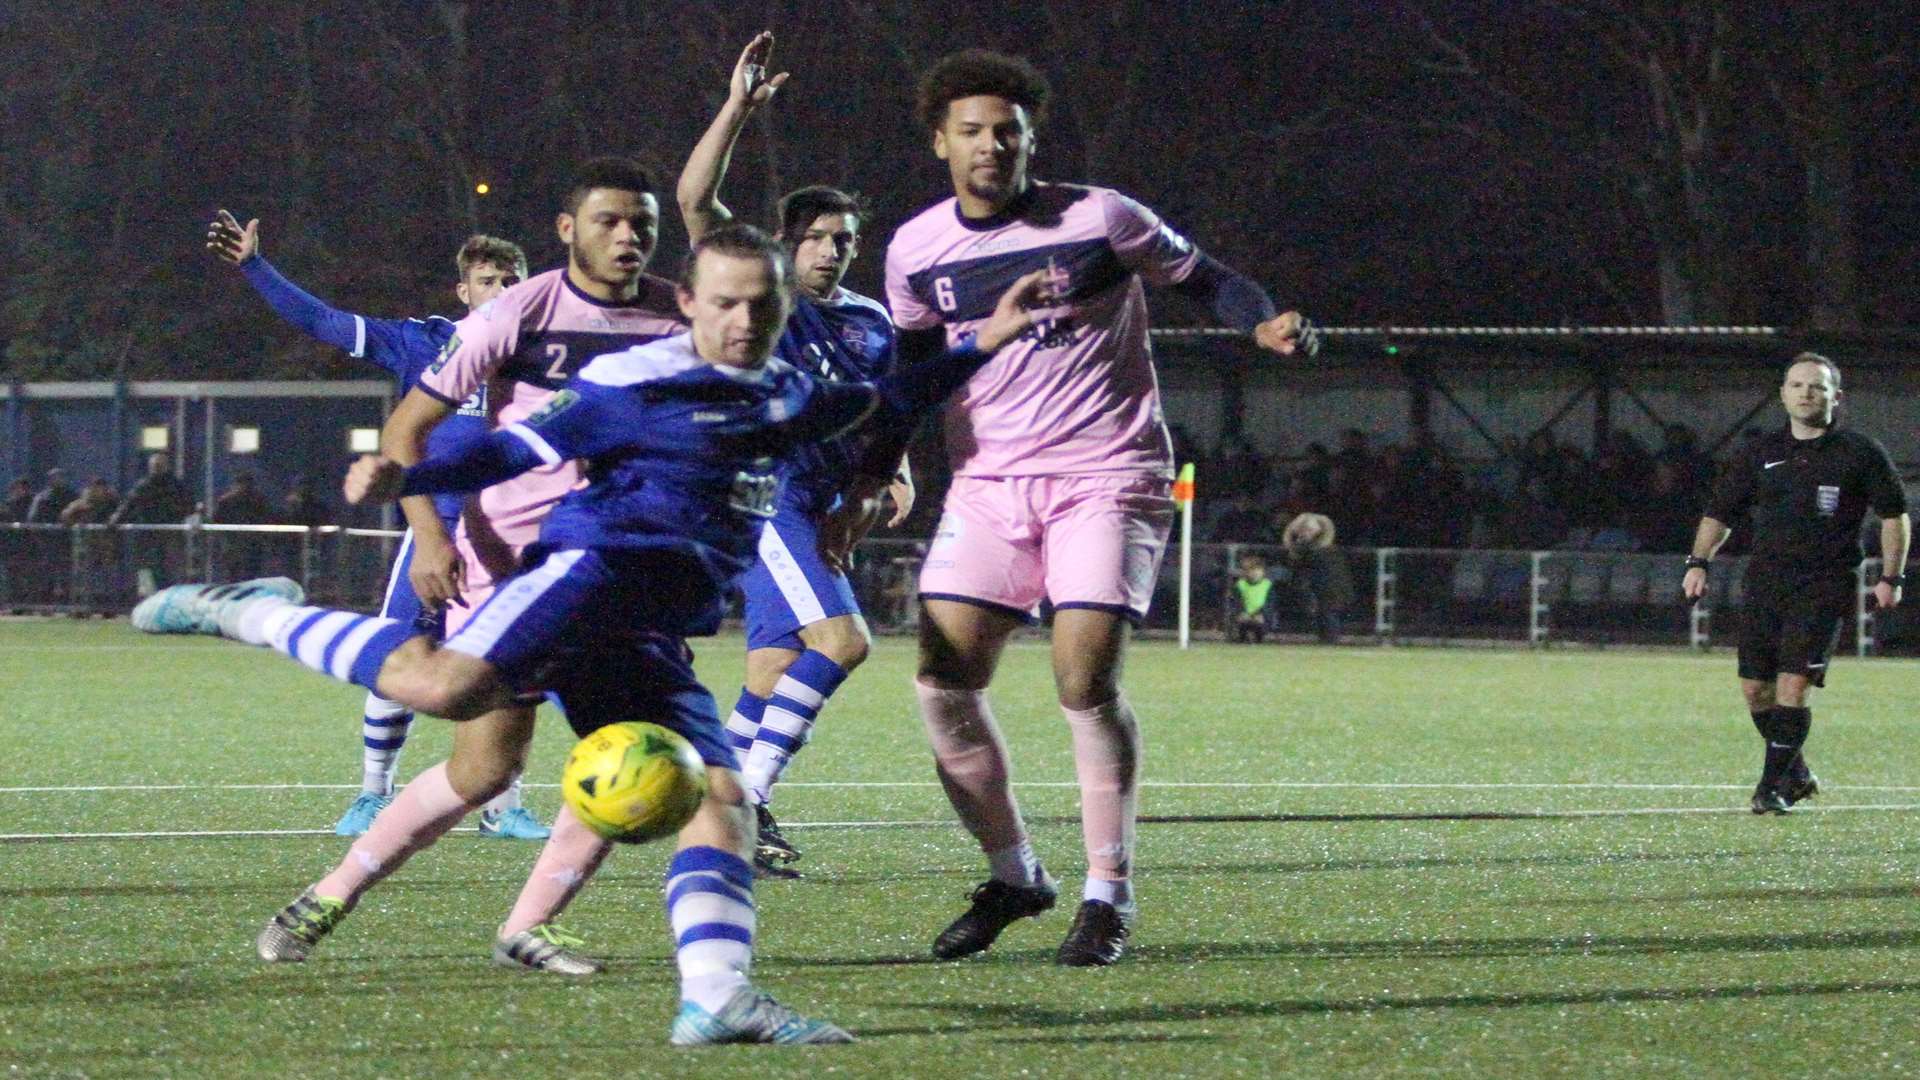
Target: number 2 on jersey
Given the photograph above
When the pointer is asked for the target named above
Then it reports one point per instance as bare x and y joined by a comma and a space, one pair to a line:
557, 369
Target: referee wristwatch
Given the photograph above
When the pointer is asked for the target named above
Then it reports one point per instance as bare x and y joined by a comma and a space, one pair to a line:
1695, 562
1898, 581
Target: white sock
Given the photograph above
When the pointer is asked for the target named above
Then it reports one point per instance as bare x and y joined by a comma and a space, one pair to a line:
506, 800
1016, 865
1118, 892
383, 732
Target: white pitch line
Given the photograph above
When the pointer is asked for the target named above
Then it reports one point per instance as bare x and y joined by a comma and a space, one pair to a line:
1517, 815
188, 834
1257, 785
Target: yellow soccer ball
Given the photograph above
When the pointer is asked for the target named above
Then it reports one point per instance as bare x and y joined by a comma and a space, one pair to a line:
634, 782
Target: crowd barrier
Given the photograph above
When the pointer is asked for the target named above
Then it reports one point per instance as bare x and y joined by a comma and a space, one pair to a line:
1388, 595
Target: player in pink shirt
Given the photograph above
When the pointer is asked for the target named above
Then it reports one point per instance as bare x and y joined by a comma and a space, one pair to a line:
1062, 473
520, 347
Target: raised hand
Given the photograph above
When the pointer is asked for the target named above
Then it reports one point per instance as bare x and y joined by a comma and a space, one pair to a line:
751, 85
227, 239
1014, 315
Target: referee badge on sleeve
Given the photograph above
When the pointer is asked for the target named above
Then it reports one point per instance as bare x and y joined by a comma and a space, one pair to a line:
1827, 499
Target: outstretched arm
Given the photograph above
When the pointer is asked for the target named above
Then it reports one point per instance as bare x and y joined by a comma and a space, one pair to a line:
903, 395
1238, 302
699, 189
240, 247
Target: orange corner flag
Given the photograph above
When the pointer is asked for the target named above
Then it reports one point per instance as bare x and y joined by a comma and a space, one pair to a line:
1183, 487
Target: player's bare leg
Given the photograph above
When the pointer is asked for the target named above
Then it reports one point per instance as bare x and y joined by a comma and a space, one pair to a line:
960, 647
1089, 649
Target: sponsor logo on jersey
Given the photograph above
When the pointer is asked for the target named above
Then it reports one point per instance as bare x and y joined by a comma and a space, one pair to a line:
560, 402
446, 353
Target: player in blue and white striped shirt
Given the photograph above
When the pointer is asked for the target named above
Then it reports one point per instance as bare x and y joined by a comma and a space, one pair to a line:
405, 348
805, 632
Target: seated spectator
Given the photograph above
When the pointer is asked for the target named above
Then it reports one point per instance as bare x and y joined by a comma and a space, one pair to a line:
1243, 522
1663, 518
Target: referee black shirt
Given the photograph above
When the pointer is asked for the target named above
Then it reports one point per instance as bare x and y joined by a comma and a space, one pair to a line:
1807, 497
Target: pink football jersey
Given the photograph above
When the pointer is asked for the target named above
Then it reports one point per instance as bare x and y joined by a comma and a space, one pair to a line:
523, 345
1077, 393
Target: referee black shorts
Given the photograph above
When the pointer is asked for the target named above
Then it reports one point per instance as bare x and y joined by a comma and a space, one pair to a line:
1790, 636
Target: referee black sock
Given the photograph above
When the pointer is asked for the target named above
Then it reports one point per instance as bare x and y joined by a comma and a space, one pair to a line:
1789, 726
1763, 722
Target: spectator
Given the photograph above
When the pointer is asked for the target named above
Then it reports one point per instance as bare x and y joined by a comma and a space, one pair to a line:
47, 571
16, 546
19, 500
1251, 590
1321, 572
1242, 523
1662, 518
93, 506
243, 504
1316, 469
92, 550
303, 504
47, 504
158, 498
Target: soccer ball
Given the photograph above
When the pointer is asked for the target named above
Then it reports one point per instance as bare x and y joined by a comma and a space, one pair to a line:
634, 782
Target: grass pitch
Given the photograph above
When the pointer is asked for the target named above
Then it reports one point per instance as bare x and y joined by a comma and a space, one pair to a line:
1353, 861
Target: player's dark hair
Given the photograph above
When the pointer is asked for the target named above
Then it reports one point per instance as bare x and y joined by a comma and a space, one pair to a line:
977, 72
800, 208
741, 242
616, 173
483, 250
1814, 358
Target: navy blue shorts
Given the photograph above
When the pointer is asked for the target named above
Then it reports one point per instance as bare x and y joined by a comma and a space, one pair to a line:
576, 625
402, 604
791, 586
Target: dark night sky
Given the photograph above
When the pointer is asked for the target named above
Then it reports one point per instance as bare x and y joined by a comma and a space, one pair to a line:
1341, 153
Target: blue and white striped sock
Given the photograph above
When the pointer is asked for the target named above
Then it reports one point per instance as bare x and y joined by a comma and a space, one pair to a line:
383, 731
710, 907
796, 703
744, 723
345, 645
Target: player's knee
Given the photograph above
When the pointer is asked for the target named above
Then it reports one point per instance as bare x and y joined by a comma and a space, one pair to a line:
478, 774
1086, 687
944, 667
724, 819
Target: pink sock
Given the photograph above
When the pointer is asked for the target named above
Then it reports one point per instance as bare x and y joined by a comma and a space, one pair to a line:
1106, 757
422, 813
571, 856
971, 758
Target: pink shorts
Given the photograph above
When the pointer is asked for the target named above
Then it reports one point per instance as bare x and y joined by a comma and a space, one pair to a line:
486, 559
1079, 541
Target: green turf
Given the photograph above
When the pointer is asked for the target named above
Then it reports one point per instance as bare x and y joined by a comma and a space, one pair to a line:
1291, 926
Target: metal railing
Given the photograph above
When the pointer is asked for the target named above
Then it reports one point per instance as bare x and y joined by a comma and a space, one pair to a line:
1525, 598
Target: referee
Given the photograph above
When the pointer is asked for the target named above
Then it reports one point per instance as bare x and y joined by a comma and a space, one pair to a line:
1807, 487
